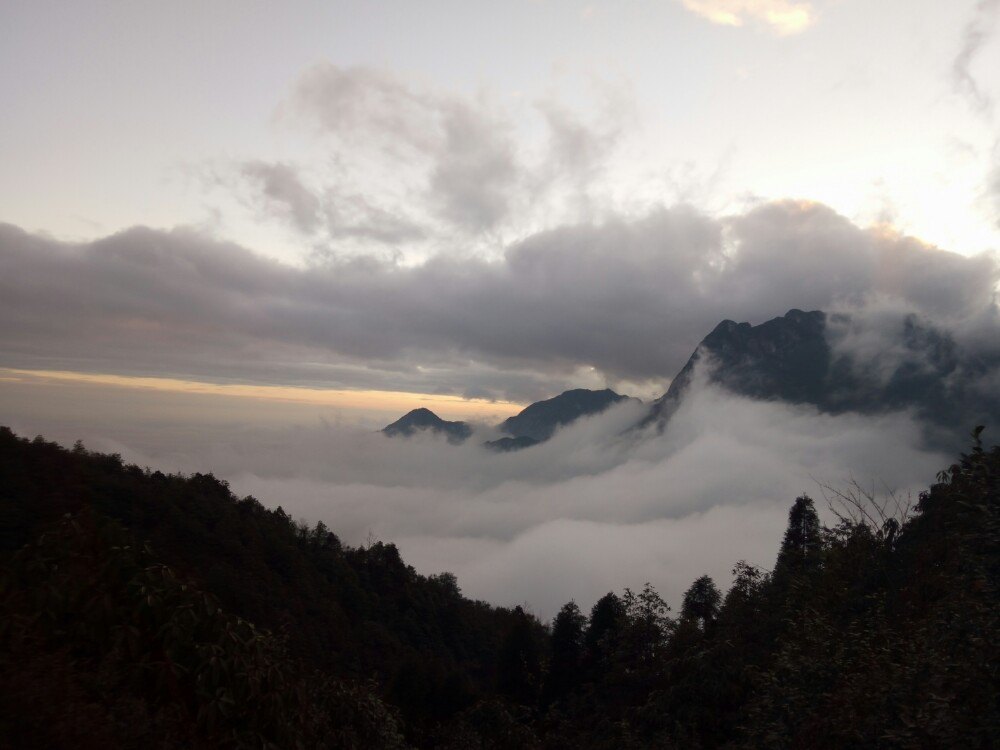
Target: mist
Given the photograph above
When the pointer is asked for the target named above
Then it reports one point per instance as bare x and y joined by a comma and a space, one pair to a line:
596, 508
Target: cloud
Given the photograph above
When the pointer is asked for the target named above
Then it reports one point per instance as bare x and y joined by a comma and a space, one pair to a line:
281, 188
629, 297
405, 163
582, 514
993, 184
458, 152
781, 16
975, 36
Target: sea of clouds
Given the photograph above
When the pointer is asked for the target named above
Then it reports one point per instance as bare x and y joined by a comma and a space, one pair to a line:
595, 509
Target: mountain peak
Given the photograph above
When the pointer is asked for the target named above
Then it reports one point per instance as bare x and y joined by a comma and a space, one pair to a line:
541, 419
786, 358
797, 358
421, 419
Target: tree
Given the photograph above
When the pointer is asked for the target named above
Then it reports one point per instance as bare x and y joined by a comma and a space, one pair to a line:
519, 666
566, 647
647, 626
803, 540
741, 607
701, 603
605, 621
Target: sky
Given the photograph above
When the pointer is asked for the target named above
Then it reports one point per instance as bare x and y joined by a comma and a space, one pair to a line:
446, 140
240, 237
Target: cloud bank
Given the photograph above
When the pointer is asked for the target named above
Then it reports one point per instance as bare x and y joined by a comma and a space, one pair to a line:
621, 301
585, 513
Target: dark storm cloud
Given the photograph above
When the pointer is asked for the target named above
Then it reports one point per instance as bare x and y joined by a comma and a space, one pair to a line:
630, 297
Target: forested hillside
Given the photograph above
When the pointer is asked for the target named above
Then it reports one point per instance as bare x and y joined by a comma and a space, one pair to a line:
144, 610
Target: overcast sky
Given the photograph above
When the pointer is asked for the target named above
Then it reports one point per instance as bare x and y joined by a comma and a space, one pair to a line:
236, 236
488, 200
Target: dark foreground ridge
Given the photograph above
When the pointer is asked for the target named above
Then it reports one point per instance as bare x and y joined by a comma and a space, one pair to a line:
140, 610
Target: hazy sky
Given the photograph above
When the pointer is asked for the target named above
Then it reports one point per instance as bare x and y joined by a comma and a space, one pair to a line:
237, 236
482, 200
125, 113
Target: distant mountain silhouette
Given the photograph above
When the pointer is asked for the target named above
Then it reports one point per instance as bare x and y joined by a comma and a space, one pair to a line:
507, 444
539, 420
422, 419
791, 359
532, 425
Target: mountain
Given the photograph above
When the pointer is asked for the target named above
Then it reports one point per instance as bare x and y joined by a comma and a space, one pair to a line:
148, 583
539, 420
141, 609
786, 359
422, 419
507, 444
532, 425
802, 358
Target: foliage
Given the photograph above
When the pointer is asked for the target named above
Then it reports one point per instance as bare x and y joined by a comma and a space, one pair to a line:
878, 632
181, 671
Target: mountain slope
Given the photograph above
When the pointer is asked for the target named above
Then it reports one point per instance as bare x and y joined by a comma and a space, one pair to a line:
422, 419
880, 632
786, 358
807, 357
353, 613
508, 444
541, 419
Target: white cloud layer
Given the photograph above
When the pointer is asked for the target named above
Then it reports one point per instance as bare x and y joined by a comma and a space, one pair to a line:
587, 512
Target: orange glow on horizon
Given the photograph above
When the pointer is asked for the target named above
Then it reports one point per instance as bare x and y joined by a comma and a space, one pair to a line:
367, 400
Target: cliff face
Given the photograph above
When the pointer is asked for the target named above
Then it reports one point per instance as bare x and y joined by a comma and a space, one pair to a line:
806, 357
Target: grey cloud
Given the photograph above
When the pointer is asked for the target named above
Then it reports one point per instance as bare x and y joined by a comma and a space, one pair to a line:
630, 297
410, 162
468, 151
280, 186
364, 102
278, 189
475, 169
353, 215
976, 34
993, 184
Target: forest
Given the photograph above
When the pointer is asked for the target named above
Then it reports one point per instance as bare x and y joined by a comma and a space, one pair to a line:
140, 609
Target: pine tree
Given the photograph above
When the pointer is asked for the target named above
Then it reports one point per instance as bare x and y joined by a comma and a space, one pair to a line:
701, 603
566, 645
803, 541
606, 619
519, 667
